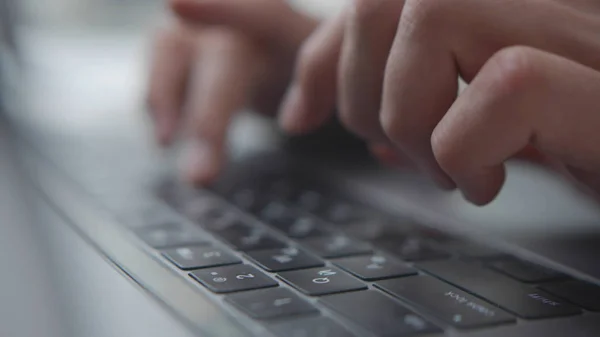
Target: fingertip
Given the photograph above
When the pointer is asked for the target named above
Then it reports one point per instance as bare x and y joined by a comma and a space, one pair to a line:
482, 188
292, 111
201, 163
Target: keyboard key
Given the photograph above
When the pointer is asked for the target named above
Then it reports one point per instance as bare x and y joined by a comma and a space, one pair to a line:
341, 213
247, 238
308, 200
374, 267
526, 272
232, 278
188, 258
271, 303
276, 212
171, 235
585, 295
379, 314
310, 327
290, 258
515, 297
454, 306
219, 218
469, 250
321, 281
410, 248
247, 199
300, 227
336, 245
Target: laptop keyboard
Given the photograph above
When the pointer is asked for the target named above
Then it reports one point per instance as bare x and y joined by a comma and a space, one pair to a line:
293, 256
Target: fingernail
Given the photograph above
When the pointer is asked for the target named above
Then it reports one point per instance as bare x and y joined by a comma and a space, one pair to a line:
200, 162
291, 109
444, 182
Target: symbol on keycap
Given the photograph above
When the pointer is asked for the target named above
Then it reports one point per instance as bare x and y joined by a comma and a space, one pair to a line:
209, 255
302, 226
282, 301
378, 259
244, 276
185, 253
416, 322
326, 272
291, 251
218, 279
252, 239
457, 318
283, 259
374, 266
337, 243
321, 280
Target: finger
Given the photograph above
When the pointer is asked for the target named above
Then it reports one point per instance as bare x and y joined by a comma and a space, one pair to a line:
389, 156
436, 40
311, 98
521, 96
172, 59
222, 85
369, 33
272, 21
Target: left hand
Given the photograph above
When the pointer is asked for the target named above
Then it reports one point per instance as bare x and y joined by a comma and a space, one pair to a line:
532, 66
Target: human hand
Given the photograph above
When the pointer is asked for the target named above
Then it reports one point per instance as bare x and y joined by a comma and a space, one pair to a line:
393, 67
219, 57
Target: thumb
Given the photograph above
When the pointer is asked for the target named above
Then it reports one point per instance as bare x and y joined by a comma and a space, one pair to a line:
273, 21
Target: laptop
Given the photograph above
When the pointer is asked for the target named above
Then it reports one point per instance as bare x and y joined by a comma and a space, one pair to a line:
295, 239
301, 240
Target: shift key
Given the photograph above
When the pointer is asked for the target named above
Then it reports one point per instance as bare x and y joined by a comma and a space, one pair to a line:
448, 303
522, 300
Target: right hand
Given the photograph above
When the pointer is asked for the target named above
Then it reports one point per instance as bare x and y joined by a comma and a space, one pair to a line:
220, 57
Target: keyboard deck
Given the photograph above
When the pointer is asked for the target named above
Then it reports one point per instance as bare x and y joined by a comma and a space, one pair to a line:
293, 255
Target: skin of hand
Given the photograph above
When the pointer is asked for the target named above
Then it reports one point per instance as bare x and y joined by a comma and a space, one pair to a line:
219, 57
391, 66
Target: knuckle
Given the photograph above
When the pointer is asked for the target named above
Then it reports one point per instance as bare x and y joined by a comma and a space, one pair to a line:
512, 69
308, 64
396, 129
421, 15
445, 152
365, 12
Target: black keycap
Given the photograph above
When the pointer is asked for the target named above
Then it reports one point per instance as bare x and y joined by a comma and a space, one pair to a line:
515, 297
374, 267
232, 278
276, 212
308, 200
247, 238
271, 303
342, 213
448, 303
526, 272
201, 210
310, 327
379, 314
411, 248
584, 294
336, 245
219, 218
470, 250
247, 199
171, 235
300, 227
321, 281
289, 258
188, 258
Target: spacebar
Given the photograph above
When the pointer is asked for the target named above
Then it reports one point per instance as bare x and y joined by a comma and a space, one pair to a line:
521, 300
